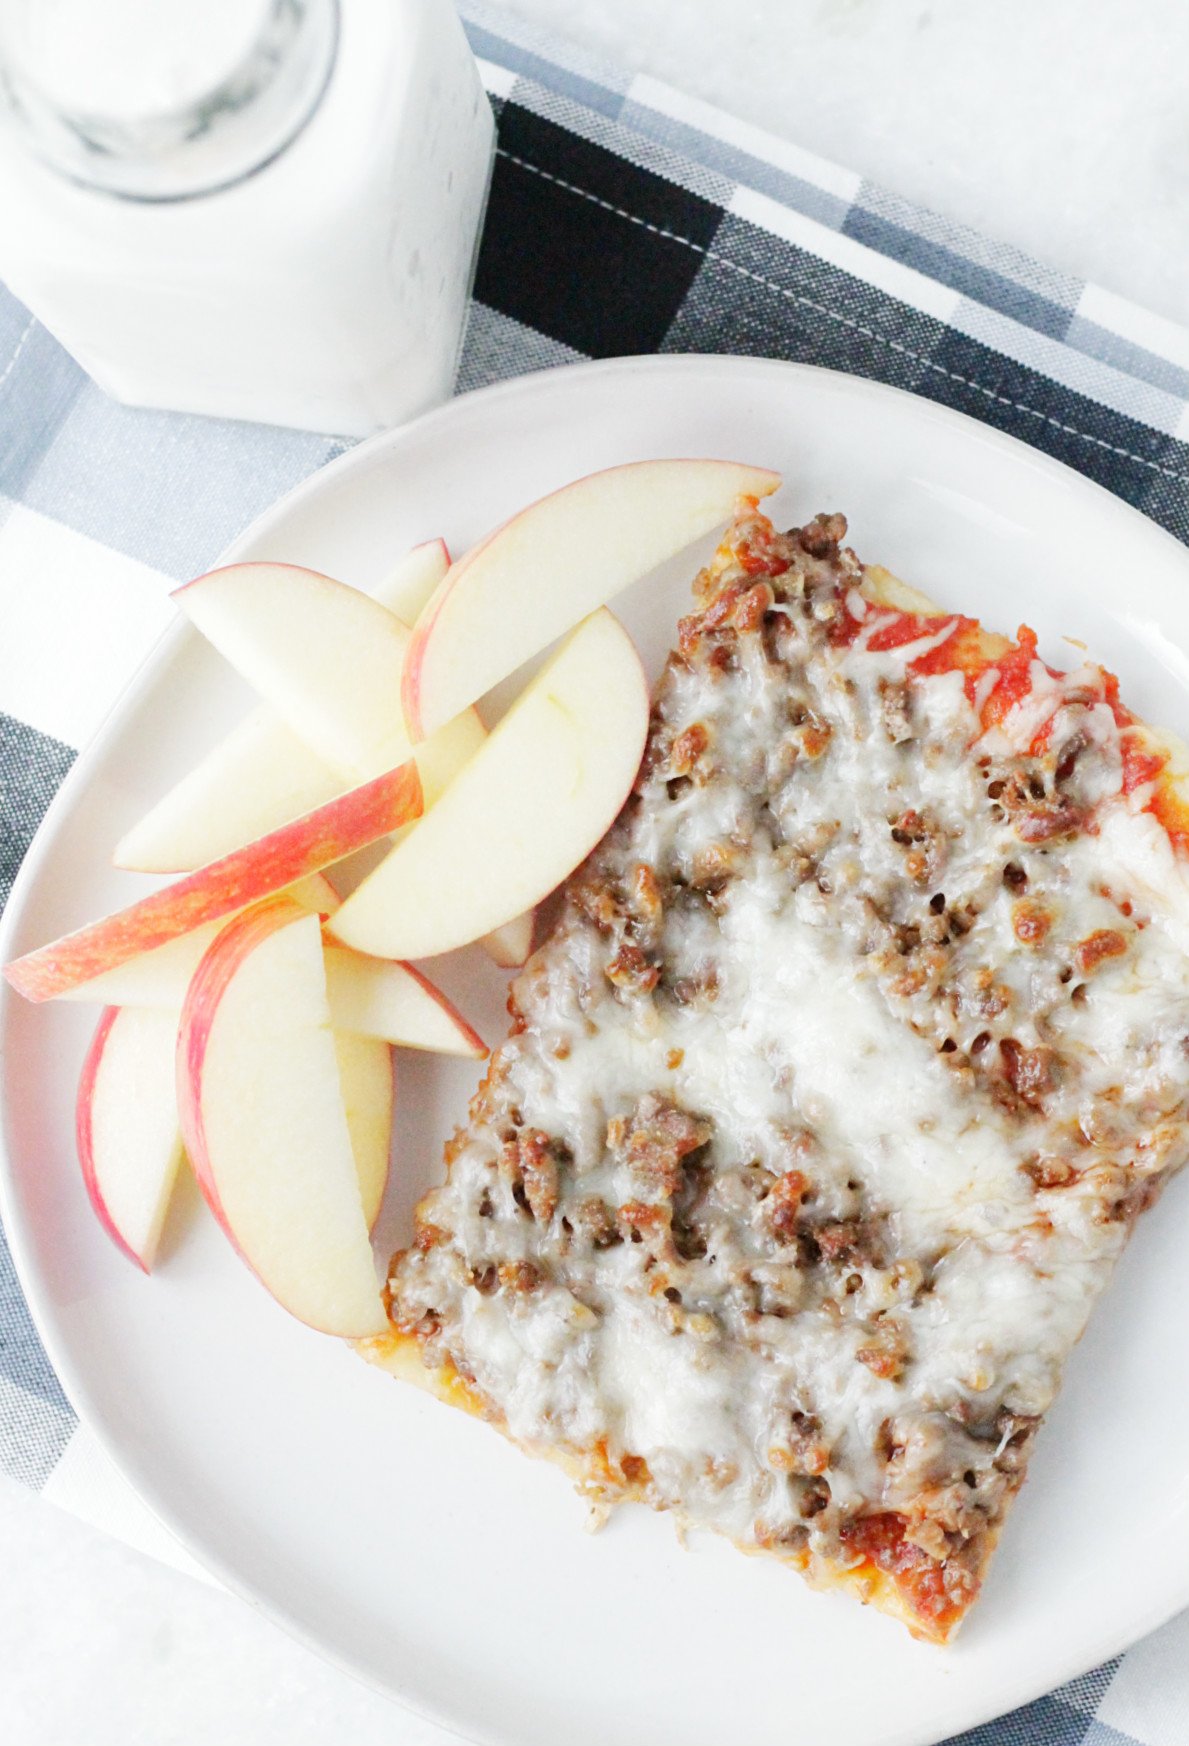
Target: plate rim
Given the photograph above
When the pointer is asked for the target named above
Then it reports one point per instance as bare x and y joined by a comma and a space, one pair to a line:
72, 1376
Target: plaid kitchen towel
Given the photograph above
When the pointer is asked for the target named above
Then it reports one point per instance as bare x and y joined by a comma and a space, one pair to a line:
624, 218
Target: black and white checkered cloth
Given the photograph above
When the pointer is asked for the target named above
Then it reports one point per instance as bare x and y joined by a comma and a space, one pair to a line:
624, 218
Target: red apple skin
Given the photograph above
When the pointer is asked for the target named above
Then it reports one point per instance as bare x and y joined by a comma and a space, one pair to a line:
222, 959
410, 681
83, 1131
306, 845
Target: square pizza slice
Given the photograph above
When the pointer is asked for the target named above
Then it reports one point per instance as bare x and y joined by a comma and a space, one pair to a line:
830, 1102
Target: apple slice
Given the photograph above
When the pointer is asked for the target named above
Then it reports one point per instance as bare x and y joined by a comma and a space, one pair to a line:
258, 777
548, 567
127, 1126
155, 980
263, 1118
319, 838
327, 660
407, 587
159, 979
261, 775
366, 1083
129, 1143
374, 997
370, 998
530, 805
511, 945
326, 657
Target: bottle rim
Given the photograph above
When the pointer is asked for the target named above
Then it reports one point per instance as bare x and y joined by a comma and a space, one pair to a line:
211, 142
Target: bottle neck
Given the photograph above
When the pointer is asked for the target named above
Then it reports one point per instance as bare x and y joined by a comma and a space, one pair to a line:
159, 100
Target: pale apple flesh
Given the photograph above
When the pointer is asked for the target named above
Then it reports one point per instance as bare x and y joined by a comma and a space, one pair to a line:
363, 815
510, 946
375, 997
551, 565
263, 1119
263, 774
126, 1127
326, 657
260, 775
407, 587
257, 778
368, 1090
372, 998
130, 1145
129, 1142
528, 808
155, 980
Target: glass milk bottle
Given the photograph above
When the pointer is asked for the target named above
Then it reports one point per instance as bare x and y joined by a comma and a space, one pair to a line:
262, 209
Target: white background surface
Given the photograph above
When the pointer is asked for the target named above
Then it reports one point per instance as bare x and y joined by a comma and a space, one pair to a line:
1058, 126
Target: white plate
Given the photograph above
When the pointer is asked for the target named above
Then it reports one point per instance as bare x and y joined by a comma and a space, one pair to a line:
409, 1542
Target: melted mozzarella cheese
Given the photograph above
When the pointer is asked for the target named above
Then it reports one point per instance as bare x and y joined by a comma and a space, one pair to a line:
803, 1047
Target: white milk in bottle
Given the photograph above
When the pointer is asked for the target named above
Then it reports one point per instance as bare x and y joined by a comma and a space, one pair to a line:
262, 209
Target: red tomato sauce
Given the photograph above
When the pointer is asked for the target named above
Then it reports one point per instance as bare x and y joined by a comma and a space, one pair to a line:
880, 1541
906, 627
961, 652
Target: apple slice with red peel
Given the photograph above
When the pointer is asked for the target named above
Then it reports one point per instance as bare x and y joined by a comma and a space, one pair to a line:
126, 1124
155, 980
263, 1118
328, 660
372, 998
552, 564
130, 1145
250, 783
159, 979
531, 804
376, 997
262, 774
366, 1082
363, 815
511, 946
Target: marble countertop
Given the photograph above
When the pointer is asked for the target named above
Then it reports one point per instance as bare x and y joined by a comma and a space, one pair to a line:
1058, 127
